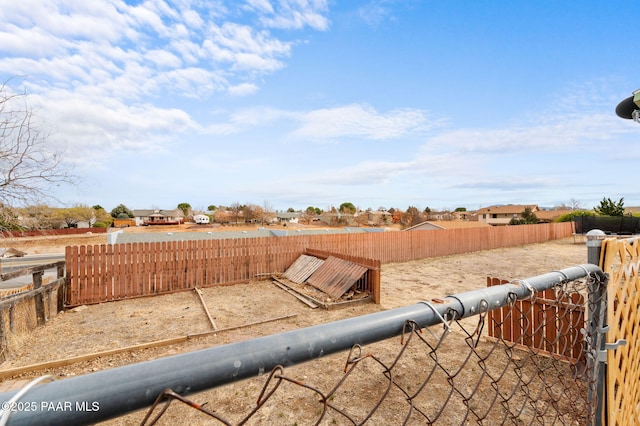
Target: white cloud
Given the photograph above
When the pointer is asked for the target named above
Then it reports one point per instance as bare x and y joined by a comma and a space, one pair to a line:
163, 58
560, 131
365, 173
361, 121
243, 89
373, 13
192, 19
416, 168
330, 124
297, 14
263, 6
245, 48
29, 42
143, 48
108, 126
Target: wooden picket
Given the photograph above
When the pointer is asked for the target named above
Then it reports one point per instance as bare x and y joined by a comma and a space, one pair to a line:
102, 273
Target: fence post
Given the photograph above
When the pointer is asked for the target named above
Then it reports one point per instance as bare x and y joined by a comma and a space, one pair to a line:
39, 302
597, 314
594, 246
62, 288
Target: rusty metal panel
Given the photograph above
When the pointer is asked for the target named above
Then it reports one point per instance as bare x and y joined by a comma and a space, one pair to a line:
336, 276
302, 268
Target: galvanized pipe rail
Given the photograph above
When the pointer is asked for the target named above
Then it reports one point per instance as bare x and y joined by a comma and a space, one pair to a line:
106, 394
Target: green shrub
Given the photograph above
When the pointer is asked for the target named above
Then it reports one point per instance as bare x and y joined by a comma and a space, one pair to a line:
569, 216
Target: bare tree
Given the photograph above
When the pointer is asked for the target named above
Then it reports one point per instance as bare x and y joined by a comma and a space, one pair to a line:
38, 216
28, 168
575, 204
268, 213
236, 208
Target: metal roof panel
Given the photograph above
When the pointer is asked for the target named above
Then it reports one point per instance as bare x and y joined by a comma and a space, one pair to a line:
303, 268
336, 276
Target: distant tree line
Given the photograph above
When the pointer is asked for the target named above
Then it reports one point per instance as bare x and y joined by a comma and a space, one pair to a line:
41, 216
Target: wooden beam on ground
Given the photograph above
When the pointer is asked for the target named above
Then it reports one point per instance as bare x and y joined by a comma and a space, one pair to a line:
298, 296
68, 361
206, 310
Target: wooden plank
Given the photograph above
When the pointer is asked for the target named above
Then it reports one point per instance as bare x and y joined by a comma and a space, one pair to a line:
577, 323
170, 265
302, 268
147, 270
119, 267
206, 310
180, 253
82, 276
551, 325
133, 265
540, 320
527, 322
496, 316
187, 270
516, 322
202, 256
157, 343
294, 293
129, 260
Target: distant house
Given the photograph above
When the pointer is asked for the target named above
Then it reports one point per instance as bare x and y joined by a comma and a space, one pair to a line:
378, 217
441, 215
502, 215
287, 217
158, 217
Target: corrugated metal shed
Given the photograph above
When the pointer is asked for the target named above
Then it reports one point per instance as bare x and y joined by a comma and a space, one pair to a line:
302, 268
336, 276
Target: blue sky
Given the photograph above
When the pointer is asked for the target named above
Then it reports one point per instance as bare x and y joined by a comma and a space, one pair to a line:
292, 103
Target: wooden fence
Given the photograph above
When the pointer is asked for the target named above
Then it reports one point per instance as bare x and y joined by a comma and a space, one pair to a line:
22, 312
549, 323
102, 273
51, 232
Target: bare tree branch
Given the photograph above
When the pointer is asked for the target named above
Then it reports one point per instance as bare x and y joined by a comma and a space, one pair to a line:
29, 169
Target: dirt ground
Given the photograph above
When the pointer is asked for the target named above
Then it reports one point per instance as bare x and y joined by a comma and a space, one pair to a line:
106, 326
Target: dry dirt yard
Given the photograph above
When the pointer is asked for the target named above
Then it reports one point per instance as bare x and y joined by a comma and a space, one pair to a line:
122, 324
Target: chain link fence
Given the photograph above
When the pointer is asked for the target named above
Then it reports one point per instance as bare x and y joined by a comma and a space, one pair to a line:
447, 374
442, 368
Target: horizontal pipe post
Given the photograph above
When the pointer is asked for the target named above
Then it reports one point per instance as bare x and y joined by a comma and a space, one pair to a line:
469, 303
110, 393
